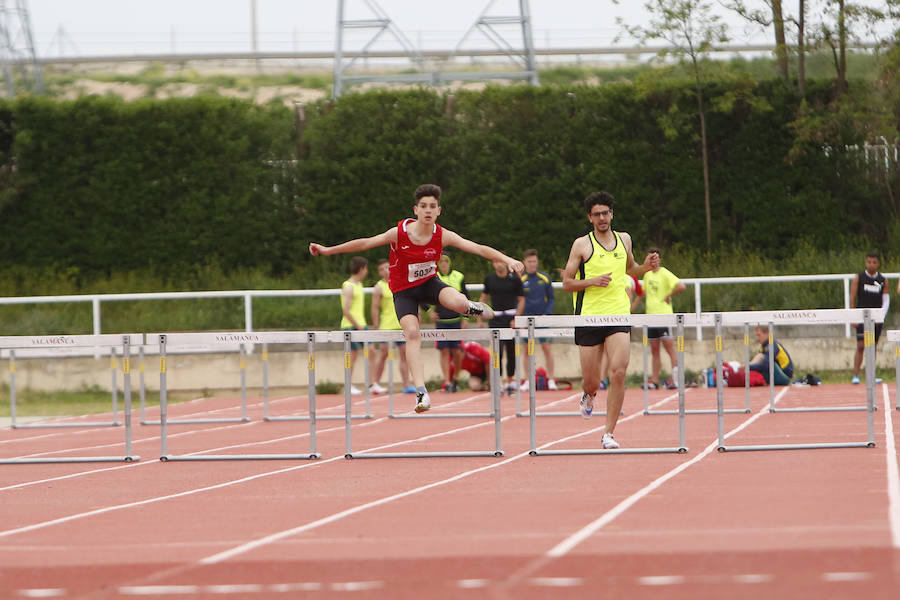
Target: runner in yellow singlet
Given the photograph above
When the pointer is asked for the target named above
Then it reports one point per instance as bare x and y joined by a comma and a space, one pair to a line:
595, 273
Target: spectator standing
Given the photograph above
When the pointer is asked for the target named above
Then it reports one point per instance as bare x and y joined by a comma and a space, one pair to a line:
539, 300
353, 304
868, 290
508, 301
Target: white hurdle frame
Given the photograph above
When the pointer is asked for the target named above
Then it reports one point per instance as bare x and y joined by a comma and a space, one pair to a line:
493, 335
228, 338
532, 322
312, 338
829, 316
717, 344
893, 336
113, 366
59, 341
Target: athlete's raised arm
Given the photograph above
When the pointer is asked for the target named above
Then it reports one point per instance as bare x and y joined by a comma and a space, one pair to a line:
357, 245
451, 238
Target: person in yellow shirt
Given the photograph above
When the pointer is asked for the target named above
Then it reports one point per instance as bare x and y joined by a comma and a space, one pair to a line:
660, 284
595, 273
384, 318
353, 307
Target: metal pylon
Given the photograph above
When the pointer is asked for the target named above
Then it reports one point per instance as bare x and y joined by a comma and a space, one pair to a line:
487, 24
17, 53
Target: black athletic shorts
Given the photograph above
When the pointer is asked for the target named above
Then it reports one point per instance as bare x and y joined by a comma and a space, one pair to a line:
860, 331
655, 333
406, 302
594, 336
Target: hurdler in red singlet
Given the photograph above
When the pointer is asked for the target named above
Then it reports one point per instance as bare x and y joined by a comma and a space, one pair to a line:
413, 267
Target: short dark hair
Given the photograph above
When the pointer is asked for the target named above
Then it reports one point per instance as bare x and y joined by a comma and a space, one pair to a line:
873, 255
653, 251
595, 198
428, 189
381, 261
529, 252
357, 264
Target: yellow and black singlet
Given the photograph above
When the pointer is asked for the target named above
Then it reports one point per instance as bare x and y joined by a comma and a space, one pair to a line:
609, 300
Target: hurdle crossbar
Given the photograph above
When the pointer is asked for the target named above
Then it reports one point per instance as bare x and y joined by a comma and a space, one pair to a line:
532, 322
815, 316
62, 341
213, 339
494, 335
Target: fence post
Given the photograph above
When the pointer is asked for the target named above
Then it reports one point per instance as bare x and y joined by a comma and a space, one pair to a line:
698, 308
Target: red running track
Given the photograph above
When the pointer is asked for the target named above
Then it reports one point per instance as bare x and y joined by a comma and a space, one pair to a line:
784, 524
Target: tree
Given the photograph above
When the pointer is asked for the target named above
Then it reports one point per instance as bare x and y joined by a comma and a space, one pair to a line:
691, 29
772, 17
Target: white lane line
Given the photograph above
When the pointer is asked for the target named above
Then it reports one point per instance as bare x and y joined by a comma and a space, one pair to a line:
472, 584
556, 581
565, 546
157, 590
838, 576
42, 593
257, 543
657, 580
893, 470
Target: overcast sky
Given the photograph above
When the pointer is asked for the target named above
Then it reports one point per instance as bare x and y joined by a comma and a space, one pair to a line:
100, 27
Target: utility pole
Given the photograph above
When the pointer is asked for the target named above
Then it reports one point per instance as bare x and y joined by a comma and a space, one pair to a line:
17, 55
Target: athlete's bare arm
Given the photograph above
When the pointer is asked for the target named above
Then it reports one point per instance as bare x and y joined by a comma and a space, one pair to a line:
357, 245
631, 267
451, 238
377, 296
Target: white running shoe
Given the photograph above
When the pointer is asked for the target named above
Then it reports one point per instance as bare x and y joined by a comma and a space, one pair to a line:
609, 442
524, 386
423, 402
551, 384
355, 391
586, 405
377, 389
480, 309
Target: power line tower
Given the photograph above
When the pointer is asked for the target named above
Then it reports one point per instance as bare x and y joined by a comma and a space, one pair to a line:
494, 28
17, 53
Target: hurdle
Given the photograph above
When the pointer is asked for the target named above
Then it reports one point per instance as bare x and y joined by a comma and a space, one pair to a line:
12, 386
228, 339
812, 316
893, 335
63, 341
494, 335
467, 335
312, 338
717, 345
679, 320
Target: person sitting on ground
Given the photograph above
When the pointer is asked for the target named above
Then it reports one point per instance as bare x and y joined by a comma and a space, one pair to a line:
477, 361
784, 366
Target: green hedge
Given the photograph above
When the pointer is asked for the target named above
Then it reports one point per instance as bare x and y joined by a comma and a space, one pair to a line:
98, 185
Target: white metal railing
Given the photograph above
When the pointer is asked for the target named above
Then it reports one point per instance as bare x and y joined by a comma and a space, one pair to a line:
96, 300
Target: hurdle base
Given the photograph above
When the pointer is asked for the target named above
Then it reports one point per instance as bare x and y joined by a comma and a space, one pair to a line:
213, 457
494, 453
585, 451
563, 414
795, 446
700, 411
196, 421
72, 459
444, 416
68, 425
820, 409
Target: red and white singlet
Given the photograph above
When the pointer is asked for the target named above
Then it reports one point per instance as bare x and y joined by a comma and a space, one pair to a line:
411, 264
